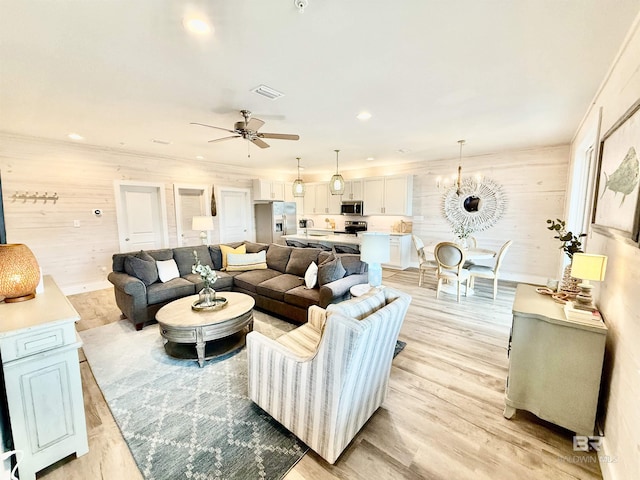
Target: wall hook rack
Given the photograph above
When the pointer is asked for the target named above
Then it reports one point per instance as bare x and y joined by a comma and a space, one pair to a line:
35, 197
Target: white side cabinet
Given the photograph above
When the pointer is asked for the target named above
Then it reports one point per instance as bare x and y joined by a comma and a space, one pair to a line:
39, 346
555, 364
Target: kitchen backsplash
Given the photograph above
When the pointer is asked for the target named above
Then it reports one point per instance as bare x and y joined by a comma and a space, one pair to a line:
375, 223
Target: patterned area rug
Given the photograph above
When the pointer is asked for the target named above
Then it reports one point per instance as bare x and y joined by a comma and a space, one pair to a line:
183, 421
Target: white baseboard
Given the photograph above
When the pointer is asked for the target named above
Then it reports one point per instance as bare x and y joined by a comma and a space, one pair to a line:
86, 287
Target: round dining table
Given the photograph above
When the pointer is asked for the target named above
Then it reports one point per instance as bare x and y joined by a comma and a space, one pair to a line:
469, 254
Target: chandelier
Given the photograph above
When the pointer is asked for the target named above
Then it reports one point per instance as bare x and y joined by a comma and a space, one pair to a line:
298, 185
459, 180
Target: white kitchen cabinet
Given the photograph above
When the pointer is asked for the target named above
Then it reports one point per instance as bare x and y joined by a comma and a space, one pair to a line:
319, 201
373, 196
555, 364
39, 347
391, 195
352, 190
399, 252
268, 190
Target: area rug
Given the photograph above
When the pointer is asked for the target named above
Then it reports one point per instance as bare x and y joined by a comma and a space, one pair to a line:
183, 421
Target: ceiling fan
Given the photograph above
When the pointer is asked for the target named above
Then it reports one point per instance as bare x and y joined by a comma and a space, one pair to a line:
248, 129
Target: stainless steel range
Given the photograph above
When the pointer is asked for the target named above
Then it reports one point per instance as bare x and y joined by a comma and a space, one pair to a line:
352, 227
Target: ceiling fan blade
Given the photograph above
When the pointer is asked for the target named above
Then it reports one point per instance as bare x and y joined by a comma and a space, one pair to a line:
279, 136
223, 138
211, 126
260, 143
254, 124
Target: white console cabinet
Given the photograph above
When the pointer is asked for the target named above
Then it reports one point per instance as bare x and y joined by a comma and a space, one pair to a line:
555, 364
39, 347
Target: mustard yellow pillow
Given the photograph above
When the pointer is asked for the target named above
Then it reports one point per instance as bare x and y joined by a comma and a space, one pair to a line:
226, 249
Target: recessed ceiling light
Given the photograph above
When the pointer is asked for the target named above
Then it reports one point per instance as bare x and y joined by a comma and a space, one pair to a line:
197, 25
370, 159
199, 157
363, 116
75, 136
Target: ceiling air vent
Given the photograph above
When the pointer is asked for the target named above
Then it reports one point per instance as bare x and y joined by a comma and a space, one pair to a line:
268, 92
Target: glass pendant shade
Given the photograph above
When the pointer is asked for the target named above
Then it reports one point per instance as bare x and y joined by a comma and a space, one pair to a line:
19, 274
298, 188
336, 184
298, 184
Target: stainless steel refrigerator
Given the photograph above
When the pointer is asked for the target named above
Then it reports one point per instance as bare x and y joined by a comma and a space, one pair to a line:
275, 219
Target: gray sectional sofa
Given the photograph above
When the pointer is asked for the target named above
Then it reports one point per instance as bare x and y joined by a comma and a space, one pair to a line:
278, 289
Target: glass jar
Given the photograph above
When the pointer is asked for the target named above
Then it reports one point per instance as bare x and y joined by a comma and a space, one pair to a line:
207, 297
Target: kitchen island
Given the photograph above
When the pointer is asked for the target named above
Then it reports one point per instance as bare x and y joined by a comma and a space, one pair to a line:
399, 244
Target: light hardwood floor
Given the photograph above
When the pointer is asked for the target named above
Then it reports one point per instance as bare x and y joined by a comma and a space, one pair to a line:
442, 418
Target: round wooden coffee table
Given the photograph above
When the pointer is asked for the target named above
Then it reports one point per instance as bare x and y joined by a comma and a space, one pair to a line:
203, 335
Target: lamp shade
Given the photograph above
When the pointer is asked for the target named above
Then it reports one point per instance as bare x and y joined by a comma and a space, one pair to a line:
19, 273
374, 247
203, 223
588, 267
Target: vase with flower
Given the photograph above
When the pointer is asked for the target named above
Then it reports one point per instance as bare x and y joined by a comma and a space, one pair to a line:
209, 276
571, 244
462, 233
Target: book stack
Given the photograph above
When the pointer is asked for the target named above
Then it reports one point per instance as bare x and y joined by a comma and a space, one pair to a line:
581, 315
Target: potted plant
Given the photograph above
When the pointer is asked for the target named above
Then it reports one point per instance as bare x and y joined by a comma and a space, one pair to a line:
209, 277
570, 244
463, 232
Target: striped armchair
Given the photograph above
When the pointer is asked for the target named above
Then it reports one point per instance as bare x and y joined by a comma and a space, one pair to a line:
323, 380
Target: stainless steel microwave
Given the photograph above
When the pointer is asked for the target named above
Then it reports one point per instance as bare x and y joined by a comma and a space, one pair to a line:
351, 208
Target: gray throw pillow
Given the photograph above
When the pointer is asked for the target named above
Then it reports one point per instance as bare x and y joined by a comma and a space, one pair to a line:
330, 271
278, 257
352, 264
143, 267
300, 259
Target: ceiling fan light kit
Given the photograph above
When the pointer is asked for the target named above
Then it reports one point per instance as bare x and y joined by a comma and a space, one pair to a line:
336, 184
298, 185
248, 129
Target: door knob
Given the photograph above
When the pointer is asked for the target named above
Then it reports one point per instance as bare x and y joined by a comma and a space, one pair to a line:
126, 239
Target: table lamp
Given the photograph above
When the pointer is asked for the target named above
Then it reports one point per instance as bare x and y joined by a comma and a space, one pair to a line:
203, 223
587, 267
19, 273
374, 250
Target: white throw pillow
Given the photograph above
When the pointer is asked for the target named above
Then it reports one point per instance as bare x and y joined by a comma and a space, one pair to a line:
167, 270
311, 275
240, 262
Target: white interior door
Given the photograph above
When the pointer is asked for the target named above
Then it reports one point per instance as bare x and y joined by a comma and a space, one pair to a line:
235, 214
190, 201
142, 216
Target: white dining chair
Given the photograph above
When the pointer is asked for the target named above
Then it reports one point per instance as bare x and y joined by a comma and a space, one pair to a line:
484, 271
426, 265
450, 259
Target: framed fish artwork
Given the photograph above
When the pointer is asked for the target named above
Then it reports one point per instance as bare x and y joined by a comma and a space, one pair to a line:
617, 199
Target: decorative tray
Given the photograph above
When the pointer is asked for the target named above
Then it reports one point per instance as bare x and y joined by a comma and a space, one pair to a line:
218, 303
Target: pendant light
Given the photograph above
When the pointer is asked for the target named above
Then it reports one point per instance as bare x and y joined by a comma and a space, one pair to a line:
298, 185
459, 181
336, 184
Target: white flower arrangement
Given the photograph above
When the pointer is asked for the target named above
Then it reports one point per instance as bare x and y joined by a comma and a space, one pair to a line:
462, 231
207, 274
